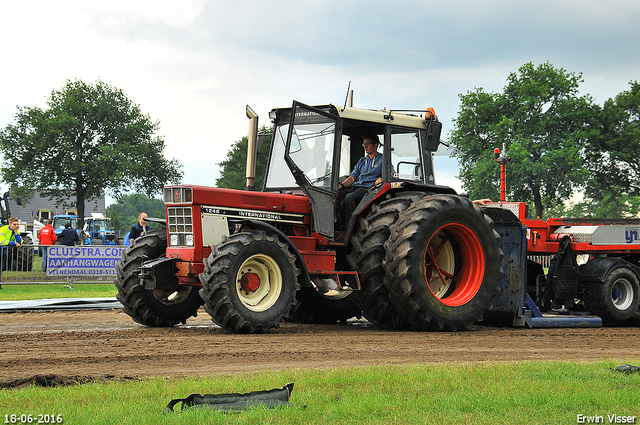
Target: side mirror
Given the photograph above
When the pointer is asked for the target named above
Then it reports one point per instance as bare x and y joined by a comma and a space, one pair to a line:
260, 140
433, 135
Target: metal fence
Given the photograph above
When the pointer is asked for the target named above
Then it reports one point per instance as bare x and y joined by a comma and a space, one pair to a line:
543, 260
23, 266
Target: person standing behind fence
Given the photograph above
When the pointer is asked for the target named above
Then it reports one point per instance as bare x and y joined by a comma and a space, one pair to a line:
69, 235
46, 237
140, 228
9, 235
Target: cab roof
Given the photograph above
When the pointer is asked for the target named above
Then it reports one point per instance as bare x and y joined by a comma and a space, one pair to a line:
399, 118
383, 117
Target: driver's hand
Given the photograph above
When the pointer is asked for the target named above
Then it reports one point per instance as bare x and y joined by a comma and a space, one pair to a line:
379, 180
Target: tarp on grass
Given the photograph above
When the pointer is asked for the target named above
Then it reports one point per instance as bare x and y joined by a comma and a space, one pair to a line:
234, 402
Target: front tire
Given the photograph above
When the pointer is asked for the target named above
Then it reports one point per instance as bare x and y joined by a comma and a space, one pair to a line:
160, 308
249, 283
616, 299
443, 263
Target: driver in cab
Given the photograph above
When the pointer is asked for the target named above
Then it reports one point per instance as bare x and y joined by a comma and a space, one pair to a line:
367, 172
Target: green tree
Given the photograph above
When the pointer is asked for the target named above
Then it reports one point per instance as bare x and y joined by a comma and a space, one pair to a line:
124, 213
90, 138
545, 127
613, 158
233, 174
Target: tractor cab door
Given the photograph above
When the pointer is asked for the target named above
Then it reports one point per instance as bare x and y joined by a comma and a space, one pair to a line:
311, 156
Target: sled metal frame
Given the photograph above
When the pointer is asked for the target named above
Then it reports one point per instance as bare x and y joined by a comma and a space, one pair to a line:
512, 296
534, 318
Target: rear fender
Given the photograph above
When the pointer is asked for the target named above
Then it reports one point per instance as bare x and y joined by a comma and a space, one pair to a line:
598, 268
380, 191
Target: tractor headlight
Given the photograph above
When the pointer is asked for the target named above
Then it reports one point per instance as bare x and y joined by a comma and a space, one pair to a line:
188, 240
173, 240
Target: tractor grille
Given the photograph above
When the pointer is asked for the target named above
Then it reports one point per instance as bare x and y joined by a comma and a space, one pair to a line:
180, 222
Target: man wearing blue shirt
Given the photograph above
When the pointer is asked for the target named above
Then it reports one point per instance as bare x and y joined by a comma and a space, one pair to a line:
139, 229
367, 172
69, 236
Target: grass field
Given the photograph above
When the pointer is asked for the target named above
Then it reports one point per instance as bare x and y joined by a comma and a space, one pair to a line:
512, 393
56, 290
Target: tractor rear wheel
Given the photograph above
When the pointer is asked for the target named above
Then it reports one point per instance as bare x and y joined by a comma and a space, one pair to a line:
249, 283
616, 299
443, 263
366, 255
152, 307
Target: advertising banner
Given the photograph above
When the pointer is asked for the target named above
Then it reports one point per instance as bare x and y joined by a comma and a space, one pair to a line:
94, 260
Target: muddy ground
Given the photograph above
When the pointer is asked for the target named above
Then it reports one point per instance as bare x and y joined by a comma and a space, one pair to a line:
81, 346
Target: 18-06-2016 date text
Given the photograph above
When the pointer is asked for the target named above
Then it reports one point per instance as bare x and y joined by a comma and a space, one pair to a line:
33, 419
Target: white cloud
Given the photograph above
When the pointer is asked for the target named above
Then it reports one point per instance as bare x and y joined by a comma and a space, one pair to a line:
194, 65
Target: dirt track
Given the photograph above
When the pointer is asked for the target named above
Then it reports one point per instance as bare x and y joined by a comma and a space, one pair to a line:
101, 344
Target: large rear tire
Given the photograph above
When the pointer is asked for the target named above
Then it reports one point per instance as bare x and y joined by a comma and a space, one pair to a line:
616, 299
443, 263
153, 307
366, 255
249, 283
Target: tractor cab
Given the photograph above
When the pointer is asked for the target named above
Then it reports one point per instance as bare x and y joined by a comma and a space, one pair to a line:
315, 148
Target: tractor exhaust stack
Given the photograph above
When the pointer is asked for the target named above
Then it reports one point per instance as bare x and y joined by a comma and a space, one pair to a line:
252, 152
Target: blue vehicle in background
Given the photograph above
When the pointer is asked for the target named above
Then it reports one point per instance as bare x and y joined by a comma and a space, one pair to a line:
97, 231
61, 220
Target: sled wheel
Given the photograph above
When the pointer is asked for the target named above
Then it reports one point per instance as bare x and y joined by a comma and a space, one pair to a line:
249, 283
152, 307
443, 263
616, 299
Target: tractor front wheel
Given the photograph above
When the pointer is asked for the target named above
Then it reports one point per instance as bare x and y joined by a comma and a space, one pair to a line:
152, 307
249, 283
443, 263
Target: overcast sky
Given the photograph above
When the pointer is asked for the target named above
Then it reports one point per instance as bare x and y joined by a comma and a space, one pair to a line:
194, 65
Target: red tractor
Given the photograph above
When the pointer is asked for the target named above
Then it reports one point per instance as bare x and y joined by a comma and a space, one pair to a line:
414, 255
